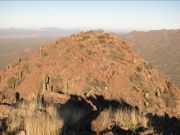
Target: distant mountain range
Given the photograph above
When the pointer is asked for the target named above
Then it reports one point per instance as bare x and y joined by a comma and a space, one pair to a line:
161, 48
43, 32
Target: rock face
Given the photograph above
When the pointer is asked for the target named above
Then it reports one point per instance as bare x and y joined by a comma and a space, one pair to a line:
101, 123
90, 63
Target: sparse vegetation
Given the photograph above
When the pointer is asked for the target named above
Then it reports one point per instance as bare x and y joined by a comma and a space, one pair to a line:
66, 87
59, 89
63, 67
19, 61
31, 118
38, 65
90, 52
11, 83
42, 52
81, 46
104, 68
148, 66
135, 79
115, 56
130, 119
26, 68
81, 59
57, 79
57, 84
99, 85
169, 99
138, 68
45, 54
19, 81
151, 102
102, 38
40, 86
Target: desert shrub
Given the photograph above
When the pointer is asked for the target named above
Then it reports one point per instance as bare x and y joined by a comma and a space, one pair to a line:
151, 102
19, 81
130, 119
26, 68
101, 36
56, 79
99, 84
124, 42
104, 68
45, 54
59, 89
148, 66
63, 67
38, 65
81, 59
135, 79
169, 99
87, 89
57, 42
116, 56
90, 52
11, 82
40, 85
138, 68
28, 117
81, 46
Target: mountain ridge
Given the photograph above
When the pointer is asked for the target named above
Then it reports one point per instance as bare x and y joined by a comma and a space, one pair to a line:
89, 61
160, 48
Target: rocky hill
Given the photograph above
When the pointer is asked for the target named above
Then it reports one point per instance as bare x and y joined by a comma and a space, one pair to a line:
161, 48
95, 68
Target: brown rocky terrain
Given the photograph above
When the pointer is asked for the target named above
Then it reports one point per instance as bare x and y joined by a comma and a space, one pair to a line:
91, 75
161, 48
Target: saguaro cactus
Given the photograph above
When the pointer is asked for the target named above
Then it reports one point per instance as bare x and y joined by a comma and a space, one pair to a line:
51, 88
17, 97
19, 61
11, 83
47, 84
41, 51
14, 85
66, 87
44, 85
8, 67
20, 74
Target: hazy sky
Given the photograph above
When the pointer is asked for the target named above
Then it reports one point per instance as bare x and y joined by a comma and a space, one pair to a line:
124, 15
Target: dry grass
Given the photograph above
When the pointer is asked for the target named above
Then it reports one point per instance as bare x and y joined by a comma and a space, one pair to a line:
130, 119
36, 120
28, 117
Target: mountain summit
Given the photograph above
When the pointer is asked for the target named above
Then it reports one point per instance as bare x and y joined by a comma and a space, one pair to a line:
91, 64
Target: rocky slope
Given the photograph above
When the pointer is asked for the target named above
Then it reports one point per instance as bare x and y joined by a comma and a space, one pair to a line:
161, 48
95, 66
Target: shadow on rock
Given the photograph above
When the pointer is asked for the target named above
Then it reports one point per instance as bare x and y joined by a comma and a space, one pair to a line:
164, 124
78, 113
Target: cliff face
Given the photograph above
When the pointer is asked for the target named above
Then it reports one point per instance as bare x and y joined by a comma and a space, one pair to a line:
90, 63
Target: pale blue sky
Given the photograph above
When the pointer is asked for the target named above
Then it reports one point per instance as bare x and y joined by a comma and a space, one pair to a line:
116, 15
